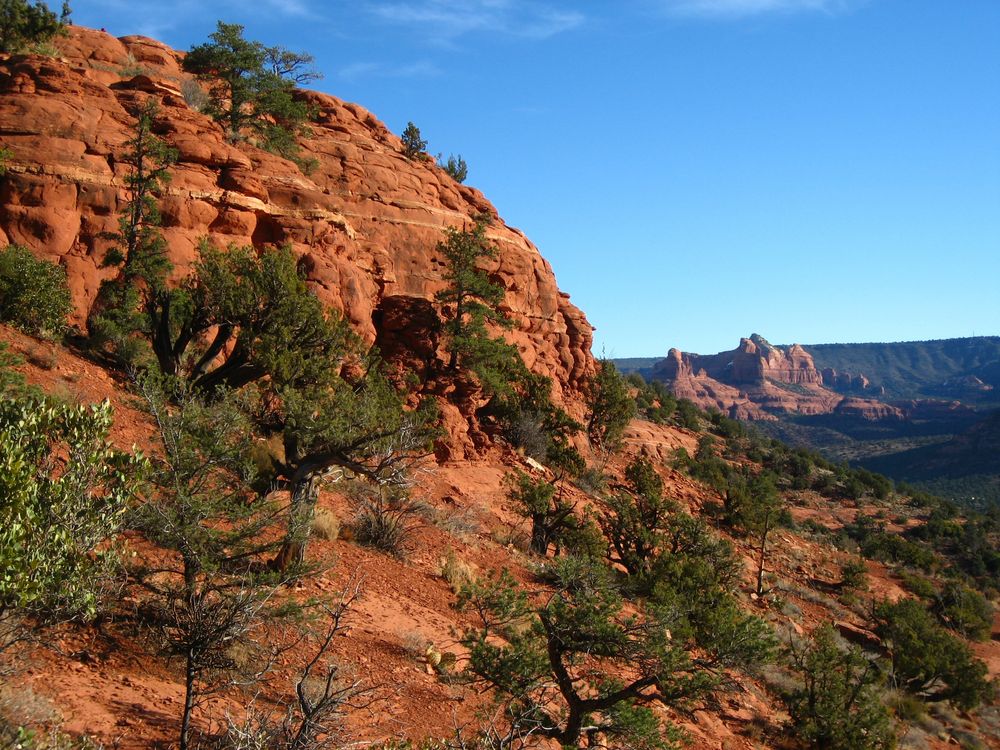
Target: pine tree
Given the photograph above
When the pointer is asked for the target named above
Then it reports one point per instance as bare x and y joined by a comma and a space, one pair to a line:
472, 301
124, 303
413, 145
838, 706
610, 407
252, 88
23, 24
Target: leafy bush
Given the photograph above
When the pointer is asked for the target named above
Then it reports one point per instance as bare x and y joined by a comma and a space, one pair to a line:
926, 659
854, 575
549, 670
536, 500
635, 518
610, 407
688, 415
65, 492
413, 145
838, 706
652, 400
34, 295
455, 166
24, 24
964, 610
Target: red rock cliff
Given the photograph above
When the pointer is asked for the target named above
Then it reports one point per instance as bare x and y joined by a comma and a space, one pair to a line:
367, 219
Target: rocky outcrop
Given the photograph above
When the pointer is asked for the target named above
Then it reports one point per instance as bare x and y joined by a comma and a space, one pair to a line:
844, 381
869, 410
366, 221
757, 381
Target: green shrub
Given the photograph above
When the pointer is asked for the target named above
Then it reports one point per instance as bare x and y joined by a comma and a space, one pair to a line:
24, 24
610, 407
549, 673
918, 585
56, 514
456, 167
854, 575
413, 145
964, 610
34, 295
838, 707
926, 659
688, 415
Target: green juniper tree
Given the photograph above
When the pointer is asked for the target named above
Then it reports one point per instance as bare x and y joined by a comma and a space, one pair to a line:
838, 705
242, 316
214, 587
472, 301
549, 662
252, 88
243, 319
456, 167
926, 659
635, 519
23, 24
551, 516
125, 303
610, 407
413, 145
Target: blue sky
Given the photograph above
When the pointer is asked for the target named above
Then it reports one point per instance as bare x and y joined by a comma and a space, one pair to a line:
695, 170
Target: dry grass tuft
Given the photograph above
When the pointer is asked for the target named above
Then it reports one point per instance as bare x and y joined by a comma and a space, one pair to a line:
325, 525
456, 571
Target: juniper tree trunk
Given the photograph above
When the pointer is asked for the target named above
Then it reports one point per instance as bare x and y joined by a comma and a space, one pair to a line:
305, 491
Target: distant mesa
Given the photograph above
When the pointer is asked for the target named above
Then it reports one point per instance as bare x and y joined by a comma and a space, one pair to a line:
758, 381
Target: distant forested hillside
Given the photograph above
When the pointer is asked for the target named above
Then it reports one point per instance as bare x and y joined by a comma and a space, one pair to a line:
919, 369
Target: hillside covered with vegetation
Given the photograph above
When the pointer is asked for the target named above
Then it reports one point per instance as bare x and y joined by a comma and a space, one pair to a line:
246, 506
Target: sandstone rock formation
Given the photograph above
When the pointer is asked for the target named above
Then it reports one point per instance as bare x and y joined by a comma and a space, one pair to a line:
367, 220
758, 380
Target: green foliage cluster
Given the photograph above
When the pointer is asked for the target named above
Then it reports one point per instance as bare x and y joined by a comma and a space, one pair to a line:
688, 415
964, 610
653, 401
854, 575
140, 254
214, 587
548, 657
34, 295
456, 167
548, 662
927, 660
520, 401
413, 145
471, 300
24, 25
610, 407
838, 706
877, 543
553, 521
252, 89
241, 316
969, 541
65, 492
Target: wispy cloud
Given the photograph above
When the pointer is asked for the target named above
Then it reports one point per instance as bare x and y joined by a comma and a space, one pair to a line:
298, 8
448, 19
730, 9
359, 70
